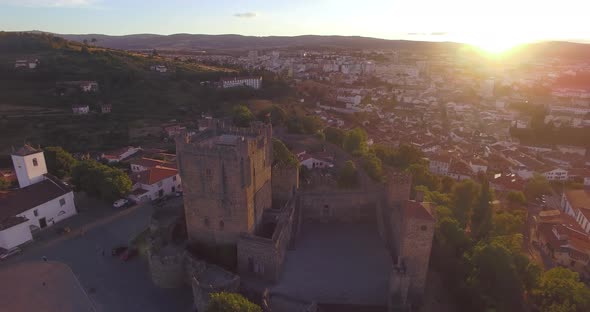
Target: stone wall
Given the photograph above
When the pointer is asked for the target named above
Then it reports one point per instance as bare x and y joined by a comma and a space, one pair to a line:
212, 280
338, 206
285, 182
167, 267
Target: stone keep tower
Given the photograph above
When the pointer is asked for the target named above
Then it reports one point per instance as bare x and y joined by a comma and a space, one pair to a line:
226, 181
29, 165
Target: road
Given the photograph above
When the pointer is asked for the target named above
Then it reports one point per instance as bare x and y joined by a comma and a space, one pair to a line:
111, 284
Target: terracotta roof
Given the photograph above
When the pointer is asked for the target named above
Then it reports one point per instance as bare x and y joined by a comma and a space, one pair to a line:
509, 181
153, 175
460, 167
151, 163
579, 199
26, 150
417, 210
21, 200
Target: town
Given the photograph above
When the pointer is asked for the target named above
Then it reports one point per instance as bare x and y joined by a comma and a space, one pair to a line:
312, 179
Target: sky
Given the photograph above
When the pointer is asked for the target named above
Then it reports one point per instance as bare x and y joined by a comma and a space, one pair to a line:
482, 22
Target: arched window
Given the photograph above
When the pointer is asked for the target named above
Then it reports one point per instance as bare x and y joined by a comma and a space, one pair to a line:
35, 162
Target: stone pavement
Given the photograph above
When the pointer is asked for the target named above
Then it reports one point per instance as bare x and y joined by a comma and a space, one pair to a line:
336, 263
112, 285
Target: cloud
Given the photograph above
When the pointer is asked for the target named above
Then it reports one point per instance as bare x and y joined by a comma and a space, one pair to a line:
50, 3
245, 15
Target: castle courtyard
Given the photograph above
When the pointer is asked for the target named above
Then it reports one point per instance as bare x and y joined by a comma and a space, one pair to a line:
337, 263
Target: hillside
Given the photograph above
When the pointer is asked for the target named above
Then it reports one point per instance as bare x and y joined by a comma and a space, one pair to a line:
32, 110
196, 42
233, 42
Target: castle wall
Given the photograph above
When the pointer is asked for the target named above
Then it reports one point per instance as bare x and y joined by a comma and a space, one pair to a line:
338, 206
415, 250
285, 182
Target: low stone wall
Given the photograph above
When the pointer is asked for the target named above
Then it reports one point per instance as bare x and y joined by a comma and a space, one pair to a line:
167, 267
338, 206
214, 279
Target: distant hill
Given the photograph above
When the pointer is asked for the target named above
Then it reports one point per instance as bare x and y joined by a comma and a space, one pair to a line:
195, 42
234, 42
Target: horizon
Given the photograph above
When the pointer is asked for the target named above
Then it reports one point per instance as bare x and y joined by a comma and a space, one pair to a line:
493, 27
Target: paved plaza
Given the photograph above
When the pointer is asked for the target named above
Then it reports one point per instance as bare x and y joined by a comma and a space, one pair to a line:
337, 263
111, 284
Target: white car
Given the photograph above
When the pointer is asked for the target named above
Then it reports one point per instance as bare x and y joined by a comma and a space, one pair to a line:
120, 203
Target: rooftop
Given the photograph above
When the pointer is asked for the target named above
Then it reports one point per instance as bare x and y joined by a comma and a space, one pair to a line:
153, 175
26, 150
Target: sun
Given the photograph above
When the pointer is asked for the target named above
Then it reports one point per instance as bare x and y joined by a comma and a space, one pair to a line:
495, 44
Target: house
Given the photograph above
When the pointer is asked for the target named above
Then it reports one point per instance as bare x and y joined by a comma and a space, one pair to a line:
173, 130
478, 165
119, 154
555, 174
439, 163
581, 174
106, 108
507, 183
252, 82
159, 68
30, 64
562, 238
459, 170
317, 161
143, 163
41, 201
154, 183
88, 86
576, 203
80, 109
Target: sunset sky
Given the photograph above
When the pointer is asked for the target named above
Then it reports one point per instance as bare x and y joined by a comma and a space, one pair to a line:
485, 23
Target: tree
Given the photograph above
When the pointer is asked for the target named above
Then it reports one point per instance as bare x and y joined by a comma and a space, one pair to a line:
282, 155
464, 195
334, 135
59, 162
355, 141
506, 223
85, 41
560, 290
347, 177
537, 186
373, 167
4, 184
274, 114
242, 116
446, 184
516, 198
100, 180
93, 40
481, 220
230, 302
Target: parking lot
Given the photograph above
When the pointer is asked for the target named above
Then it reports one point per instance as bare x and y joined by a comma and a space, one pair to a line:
113, 285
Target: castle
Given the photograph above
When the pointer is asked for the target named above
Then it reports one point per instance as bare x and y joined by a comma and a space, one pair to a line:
239, 205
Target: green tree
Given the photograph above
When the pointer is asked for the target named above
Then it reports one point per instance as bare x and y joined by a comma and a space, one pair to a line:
537, 186
347, 177
274, 114
506, 223
422, 176
282, 155
446, 184
560, 290
4, 184
355, 141
481, 220
464, 196
100, 181
334, 135
242, 116
59, 162
373, 167
516, 198
230, 302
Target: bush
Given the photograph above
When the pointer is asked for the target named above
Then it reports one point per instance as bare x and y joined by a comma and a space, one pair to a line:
100, 181
230, 302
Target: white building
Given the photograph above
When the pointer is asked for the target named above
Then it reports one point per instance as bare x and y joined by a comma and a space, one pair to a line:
556, 174
154, 183
316, 162
439, 164
576, 203
159, 68
81, 109
252, 82
41, 201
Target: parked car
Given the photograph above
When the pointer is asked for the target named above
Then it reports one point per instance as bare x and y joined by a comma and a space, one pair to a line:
117, 251
178, 194
129, 254
5, 253
120, 203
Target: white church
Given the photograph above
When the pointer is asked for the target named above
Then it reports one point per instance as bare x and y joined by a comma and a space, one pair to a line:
40, 201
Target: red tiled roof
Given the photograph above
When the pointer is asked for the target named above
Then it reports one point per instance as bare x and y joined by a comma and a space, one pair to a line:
150, 163
26, 150
153, 175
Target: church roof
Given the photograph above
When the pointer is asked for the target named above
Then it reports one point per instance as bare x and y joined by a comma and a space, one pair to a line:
26, 150
20, 200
